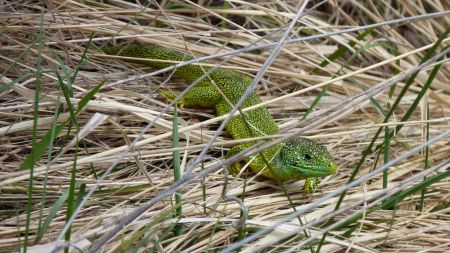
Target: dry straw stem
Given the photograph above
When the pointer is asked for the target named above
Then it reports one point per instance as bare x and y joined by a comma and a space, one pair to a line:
288, 88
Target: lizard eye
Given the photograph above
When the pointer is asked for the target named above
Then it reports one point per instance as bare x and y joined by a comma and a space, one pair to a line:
307, 157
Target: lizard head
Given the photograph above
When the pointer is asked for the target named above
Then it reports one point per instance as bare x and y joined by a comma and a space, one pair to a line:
303, 158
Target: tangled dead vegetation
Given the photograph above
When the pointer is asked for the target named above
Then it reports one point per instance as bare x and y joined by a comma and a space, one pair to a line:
70, 115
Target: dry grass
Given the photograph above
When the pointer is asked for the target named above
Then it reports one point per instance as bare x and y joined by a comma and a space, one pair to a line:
38, 41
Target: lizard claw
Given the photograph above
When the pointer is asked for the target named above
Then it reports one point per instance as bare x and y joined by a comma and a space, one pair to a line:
171, 97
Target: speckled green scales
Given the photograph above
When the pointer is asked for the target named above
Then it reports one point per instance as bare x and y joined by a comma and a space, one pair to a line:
233, 84
289, 160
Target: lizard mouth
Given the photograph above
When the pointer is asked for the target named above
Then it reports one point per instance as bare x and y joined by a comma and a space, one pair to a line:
321, 171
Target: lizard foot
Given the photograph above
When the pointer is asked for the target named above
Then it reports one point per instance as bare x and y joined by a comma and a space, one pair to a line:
311, 184
171, 97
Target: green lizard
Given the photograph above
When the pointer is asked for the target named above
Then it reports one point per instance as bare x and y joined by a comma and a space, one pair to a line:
297, 158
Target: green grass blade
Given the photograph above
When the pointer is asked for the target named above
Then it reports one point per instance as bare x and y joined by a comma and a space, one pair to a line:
341, 50
417, 188
419, 97
81, 194
71, 197
71, 205
427, 162
243, 229
41, 147
49, 158
82, 60
44, 143
67, 96
51, 215
33, 155
386, 155
177, 168
83, 101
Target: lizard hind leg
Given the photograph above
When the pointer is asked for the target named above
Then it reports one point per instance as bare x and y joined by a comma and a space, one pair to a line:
170, 96
235, 167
